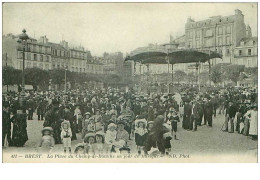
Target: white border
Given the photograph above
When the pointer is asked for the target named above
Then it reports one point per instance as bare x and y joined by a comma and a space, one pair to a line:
128, 171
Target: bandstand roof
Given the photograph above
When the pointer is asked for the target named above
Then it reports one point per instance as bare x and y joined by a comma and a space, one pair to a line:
175, 56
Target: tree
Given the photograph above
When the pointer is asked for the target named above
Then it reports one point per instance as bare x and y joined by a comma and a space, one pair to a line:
11, 76
179, 75
232, 72
36, 77
215, 75
58, 76
112, 79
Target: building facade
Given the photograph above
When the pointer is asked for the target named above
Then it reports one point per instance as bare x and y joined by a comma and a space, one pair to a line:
219, 34
246, 52
47, 55
37, 53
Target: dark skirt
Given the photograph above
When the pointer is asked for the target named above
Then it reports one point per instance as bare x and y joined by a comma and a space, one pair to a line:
140, 140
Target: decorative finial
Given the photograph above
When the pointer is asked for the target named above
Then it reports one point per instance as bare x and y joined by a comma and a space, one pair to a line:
24, 31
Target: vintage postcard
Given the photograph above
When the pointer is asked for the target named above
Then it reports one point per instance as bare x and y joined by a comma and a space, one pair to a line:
129, 82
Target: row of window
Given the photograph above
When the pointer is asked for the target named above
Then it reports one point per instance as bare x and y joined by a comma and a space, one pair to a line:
198, 24
209, 32
61, 53
38, 48
78, 55
34, 57
210, 42
249, 52
44, 66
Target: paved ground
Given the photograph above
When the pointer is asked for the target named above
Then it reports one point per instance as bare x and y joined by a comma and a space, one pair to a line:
204, 141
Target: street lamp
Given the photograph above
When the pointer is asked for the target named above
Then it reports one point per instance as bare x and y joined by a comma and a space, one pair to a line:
23, 41
65, 87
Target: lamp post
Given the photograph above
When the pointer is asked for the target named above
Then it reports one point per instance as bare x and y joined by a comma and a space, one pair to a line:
23, 41
65, 87
169, 46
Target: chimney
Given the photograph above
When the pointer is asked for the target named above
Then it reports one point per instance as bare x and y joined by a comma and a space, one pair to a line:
238, 12
248, 31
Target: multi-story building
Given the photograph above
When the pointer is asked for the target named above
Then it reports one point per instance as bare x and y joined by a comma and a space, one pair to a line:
114, 63
60, 55
47, 55
219, 34
246, 53
37, 53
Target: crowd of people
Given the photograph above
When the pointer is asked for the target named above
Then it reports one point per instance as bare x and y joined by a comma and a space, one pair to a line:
107, 120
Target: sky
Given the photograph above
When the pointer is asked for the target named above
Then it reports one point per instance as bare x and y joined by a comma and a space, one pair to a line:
114, 27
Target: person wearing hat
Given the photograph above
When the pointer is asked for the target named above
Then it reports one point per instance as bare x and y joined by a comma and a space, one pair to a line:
122, 134
124, 150
80, 148
149, 126
110, 135
41, 109
78, 117
230, 115
19, 135
100, 147
194, 119
250, 122
85, 123
144, 109
89, 140
208, 111
155, 137
47, 141
6, 124
66, 135
186, 115
173, 118
137, 107
140, 134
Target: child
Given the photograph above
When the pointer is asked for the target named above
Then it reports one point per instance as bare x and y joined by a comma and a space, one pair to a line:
181, 109
79, 123
100, 147
66, 135
173, 118
91, 125
168, 137
124, 150
110, 136
149, 126
80, 148
89, 140
85, 124
140, 134
47, 141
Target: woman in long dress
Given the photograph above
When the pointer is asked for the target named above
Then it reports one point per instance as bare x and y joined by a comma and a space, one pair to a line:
252, 117
19, 135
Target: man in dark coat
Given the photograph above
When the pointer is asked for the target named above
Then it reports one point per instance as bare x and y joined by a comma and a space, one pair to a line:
194, 116
30, 107
186, 116
200, 111
40, 109
208, 112
137, 107
230, 115
6, 124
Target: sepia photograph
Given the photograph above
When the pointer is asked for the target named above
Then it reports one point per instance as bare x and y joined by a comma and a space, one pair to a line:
129, 82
